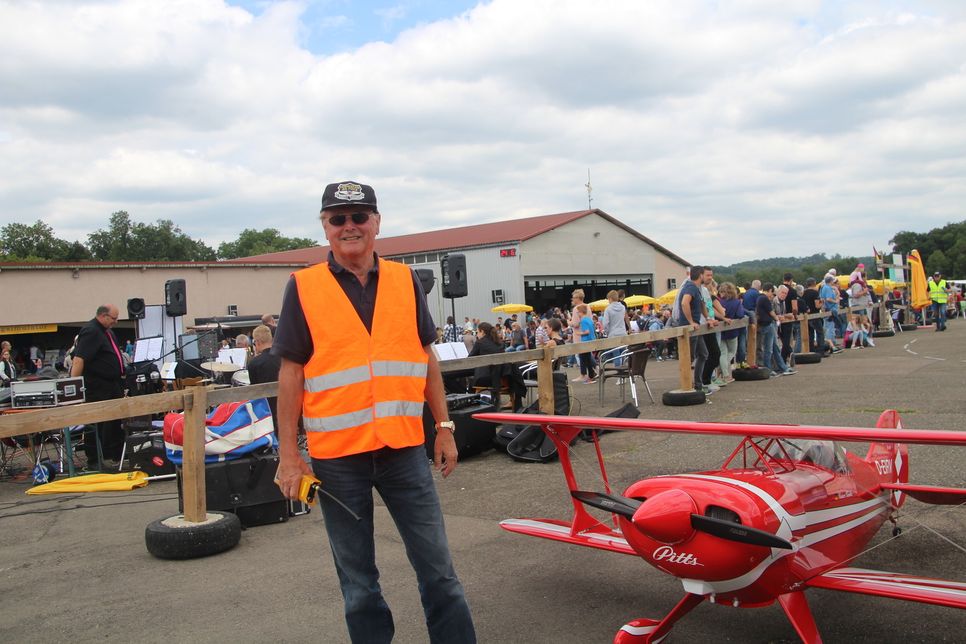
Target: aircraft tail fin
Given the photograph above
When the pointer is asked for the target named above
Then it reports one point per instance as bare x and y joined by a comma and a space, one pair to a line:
891, 460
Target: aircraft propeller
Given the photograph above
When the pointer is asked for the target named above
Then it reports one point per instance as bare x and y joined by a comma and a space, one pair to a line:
721, 528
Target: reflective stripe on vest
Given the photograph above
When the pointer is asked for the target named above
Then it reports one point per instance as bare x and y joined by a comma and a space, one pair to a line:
361, 374
363, 391
352, 419
937, 292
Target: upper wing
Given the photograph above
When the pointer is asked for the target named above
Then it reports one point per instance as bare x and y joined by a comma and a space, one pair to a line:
887, 584
860, 434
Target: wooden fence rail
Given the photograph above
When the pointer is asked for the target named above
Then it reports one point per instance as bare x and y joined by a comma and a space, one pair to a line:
196, 400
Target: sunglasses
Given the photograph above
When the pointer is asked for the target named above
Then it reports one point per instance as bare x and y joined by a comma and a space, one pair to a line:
358, 218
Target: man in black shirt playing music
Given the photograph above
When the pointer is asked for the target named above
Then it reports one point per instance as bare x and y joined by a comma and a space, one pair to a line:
97, 357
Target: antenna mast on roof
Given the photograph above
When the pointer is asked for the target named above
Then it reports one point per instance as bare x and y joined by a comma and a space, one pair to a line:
589, 190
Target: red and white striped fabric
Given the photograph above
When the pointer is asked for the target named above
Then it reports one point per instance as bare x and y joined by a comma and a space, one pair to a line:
231, 430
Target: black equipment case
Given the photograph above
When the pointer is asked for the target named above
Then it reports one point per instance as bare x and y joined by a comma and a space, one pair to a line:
245, 486
472, 436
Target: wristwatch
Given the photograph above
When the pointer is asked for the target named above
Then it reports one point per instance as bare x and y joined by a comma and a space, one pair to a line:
446, 424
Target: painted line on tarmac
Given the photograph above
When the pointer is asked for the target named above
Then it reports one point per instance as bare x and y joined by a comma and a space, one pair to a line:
908, 350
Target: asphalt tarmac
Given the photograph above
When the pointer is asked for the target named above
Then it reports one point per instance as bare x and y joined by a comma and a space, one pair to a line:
75, 568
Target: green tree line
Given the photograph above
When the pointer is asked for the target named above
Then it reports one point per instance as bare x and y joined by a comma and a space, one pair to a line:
942, 249
124, 240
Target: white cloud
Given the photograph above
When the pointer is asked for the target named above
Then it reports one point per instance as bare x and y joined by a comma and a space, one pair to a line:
723, 130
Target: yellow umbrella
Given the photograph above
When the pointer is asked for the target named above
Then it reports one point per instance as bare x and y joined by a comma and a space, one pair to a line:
638, 300
512, 308
668, 298
918, 297
121, 482
598, 305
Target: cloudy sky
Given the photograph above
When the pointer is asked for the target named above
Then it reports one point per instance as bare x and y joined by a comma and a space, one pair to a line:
725, 130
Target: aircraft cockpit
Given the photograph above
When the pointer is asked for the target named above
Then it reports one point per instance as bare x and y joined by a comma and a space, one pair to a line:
827, 454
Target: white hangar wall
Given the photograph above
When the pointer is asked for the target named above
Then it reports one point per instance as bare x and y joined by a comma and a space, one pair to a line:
486, 271
588, 247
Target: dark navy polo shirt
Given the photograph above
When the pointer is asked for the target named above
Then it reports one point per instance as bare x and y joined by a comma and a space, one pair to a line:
293, 340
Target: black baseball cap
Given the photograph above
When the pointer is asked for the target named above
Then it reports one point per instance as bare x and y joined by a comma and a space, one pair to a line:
348, 193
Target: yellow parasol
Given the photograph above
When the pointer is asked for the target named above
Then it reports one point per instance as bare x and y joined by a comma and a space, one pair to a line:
121, 482
598, 305
512, 308
635, 301
668, 298
918, 295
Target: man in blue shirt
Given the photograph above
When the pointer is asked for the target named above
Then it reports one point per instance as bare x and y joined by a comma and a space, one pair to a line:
829, 295
689, 311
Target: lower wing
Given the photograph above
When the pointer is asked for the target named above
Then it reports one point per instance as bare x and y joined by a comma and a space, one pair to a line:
599, 536
925, 590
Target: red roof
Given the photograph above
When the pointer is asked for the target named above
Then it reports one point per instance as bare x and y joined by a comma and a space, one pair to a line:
498, 232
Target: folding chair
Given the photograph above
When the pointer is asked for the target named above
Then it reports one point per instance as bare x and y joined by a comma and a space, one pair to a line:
612, 364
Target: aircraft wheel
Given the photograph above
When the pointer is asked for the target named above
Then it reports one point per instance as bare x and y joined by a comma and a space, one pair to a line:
909, 327
883, 334
756, 373
682, 397
808, 358
175, 538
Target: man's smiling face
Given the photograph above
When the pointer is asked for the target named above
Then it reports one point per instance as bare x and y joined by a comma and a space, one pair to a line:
351, 240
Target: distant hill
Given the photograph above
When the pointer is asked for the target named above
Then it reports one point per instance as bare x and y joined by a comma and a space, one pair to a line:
778, 262
772, 268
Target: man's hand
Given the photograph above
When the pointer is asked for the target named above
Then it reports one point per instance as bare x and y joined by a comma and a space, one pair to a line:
289, 475
444, 452
695, 326
712, 324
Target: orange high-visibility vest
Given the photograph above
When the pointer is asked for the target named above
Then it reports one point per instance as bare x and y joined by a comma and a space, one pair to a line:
362, 391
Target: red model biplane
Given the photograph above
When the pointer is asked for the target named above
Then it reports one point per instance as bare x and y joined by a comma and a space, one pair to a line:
787, 510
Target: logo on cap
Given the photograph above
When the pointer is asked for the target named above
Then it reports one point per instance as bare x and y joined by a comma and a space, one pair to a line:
349, 192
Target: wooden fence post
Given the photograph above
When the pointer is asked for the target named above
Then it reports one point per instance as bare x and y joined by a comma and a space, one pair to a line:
684, 360
193, 467
545, 380
803, 328
751, 350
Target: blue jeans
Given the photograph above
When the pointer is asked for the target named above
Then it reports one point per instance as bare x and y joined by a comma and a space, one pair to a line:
939, 315
405, 483
771, 357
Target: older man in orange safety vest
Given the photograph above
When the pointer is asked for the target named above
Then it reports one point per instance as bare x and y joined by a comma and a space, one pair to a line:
354, 339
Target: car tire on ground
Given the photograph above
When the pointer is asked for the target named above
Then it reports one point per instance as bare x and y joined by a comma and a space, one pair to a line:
883, 334
175, 538
810, 357
682, 397
756, 373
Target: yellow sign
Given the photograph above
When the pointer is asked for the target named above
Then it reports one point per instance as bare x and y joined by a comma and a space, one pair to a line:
19, 329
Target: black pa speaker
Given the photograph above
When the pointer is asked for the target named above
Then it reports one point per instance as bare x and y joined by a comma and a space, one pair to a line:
175, 298
135, 308
426, 279
454, 275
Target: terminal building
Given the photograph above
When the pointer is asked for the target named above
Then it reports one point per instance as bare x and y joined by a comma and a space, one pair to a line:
535, 260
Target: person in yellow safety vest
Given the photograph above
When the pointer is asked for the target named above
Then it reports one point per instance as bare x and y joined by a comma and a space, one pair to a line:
354, 337
939, 294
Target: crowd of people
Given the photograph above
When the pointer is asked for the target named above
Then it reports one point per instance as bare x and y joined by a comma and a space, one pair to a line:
772, 308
